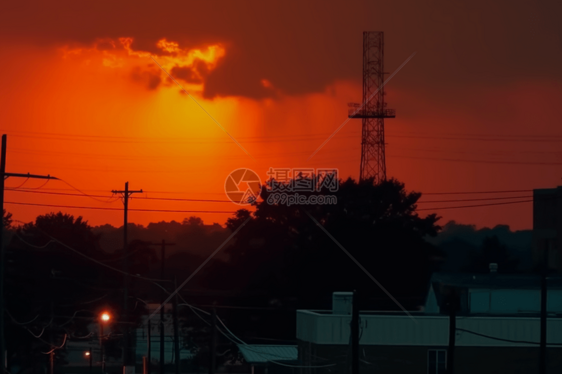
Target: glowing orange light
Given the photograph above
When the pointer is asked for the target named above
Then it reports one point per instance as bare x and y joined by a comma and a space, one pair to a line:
105, 317
86, 353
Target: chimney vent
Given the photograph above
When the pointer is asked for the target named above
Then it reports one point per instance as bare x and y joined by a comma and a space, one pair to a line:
342, 303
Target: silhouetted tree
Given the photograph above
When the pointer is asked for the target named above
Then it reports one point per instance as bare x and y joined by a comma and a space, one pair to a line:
7, 216
56, 284
493, 251
283, 252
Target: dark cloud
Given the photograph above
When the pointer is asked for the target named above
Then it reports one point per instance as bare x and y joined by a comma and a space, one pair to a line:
151, 79
186, 74
301, 47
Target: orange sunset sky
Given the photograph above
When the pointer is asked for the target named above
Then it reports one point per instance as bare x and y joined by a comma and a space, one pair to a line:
82, 99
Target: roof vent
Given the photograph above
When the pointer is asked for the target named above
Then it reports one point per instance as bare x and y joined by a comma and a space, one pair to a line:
342, 303
493, 267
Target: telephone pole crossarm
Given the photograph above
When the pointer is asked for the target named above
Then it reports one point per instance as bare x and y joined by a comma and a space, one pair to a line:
34, 176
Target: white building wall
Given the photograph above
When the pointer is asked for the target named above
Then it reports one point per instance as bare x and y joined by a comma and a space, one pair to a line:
423, 330
512, 301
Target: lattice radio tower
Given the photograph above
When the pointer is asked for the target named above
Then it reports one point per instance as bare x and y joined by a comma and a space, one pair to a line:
373, 108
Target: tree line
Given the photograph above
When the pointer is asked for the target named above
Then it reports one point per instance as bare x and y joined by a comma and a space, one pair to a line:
61, 272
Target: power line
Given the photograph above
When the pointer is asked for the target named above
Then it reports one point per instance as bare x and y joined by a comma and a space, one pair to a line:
102, 196
117, 209
496, 139
99, 262
232, 212
105, 190
257, 137
249, 347
495, 152
83, 193
155, 140
484, 199
480, 161
474, 192
475, 206
218, 193
502, 339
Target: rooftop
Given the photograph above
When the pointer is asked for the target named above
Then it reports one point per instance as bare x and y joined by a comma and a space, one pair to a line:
262, 354
495, 280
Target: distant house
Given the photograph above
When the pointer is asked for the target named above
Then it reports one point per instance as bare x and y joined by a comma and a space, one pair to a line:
497, 330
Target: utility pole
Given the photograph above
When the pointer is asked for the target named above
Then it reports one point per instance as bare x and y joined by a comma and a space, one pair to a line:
163, 245
162, 330
162, 335
176, 330
102, 350
544, 272
3, 177
126, 336
213, 345
453, 304
149, 347
52, 338
355, 334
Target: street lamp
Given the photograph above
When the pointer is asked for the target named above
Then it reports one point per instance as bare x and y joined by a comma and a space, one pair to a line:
88, 354
104, 318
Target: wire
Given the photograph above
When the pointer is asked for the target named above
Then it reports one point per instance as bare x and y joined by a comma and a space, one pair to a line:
31, 245
21, 185
174, 140
85, 194
194, 273
504, 340
485, 199
197, 314
141, 198
57, 348
74, 315
119, 209
20, 323
550, 136
81, 337
475, 206
230, 332
151, 191
257, 137
478, 161
41, 186
249, 347
85, 302
101, 263
475, 192
497, 139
